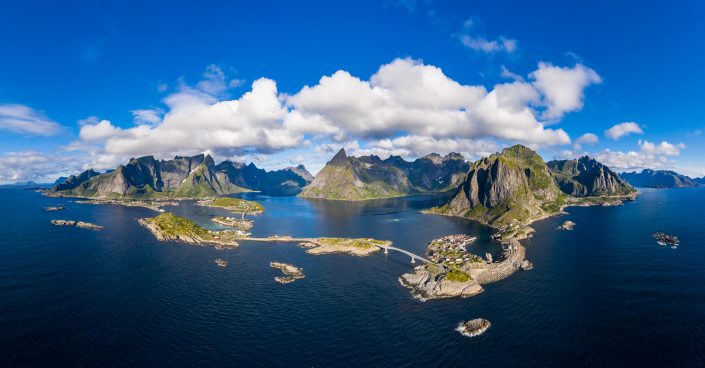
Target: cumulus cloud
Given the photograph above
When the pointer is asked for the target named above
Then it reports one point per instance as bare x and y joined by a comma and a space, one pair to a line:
562, 87
417, 104
415, 146
35, 166
586, 139
409, 96
623, 129
649, 156
663, 148
22, 119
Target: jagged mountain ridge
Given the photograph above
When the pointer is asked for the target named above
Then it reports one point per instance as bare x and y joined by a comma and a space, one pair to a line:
369, 177
661, 179
517, 187
586, 176
196, 176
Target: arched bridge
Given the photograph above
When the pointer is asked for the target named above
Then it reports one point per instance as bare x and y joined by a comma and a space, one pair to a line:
386, 248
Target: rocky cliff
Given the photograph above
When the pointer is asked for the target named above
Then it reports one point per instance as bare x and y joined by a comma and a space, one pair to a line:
513, 186
75, 180
369, 177
586, 177
196, 176
660, 179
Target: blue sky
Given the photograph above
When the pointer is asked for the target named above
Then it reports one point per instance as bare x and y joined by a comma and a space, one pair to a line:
90, 84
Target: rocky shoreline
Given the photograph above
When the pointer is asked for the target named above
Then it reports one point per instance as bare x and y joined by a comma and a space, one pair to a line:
291, 272
81, 224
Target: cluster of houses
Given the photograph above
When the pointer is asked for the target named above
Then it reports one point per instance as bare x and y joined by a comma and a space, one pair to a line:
451, 250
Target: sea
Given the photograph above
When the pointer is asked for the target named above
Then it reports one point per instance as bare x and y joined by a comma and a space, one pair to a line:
604, 294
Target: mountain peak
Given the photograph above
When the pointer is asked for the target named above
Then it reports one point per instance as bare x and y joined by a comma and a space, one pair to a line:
340, 158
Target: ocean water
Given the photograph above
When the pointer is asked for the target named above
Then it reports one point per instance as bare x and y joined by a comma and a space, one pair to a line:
604, 294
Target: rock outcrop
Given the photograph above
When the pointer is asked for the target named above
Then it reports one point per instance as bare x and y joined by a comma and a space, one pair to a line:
587, 177
369, 177
661, 179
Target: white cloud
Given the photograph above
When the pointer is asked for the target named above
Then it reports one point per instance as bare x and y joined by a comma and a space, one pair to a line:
409, 96
481, 44
649, 156
663, 148
562, 87
35, 166
197, 121
415, 146
622, 129
147, 116
417, 103
99, 131
22, 119
587, 139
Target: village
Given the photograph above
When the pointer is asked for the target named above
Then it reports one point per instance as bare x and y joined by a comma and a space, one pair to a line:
451, 251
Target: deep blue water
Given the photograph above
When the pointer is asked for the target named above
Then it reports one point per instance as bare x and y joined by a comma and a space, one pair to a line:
604, 294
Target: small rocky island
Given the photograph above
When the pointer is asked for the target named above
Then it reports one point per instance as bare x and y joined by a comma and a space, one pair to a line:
568, 225
473, 327
221, 262
666, 239
168, 226
81, 224
291, 272
54, 208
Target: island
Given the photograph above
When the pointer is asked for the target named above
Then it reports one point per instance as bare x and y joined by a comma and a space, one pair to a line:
167, 226
81, 224
567, 225
291, 272
473, 327
221, 262
666, 239
451, 271
355, 247
236, 205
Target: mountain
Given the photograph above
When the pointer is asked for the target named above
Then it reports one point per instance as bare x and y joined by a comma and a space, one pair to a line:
75, 180
183, 177
369, 177
289, 181
587, 177
660, 179
507, 187
511, 189
60, 180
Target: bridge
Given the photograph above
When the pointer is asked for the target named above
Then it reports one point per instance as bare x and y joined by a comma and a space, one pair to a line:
290, 239
413, 256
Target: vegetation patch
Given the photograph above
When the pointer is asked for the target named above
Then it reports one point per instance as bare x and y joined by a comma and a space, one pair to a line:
237, 205
457, 276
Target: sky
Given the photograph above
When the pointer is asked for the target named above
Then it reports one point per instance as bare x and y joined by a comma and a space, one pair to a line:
90, 84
